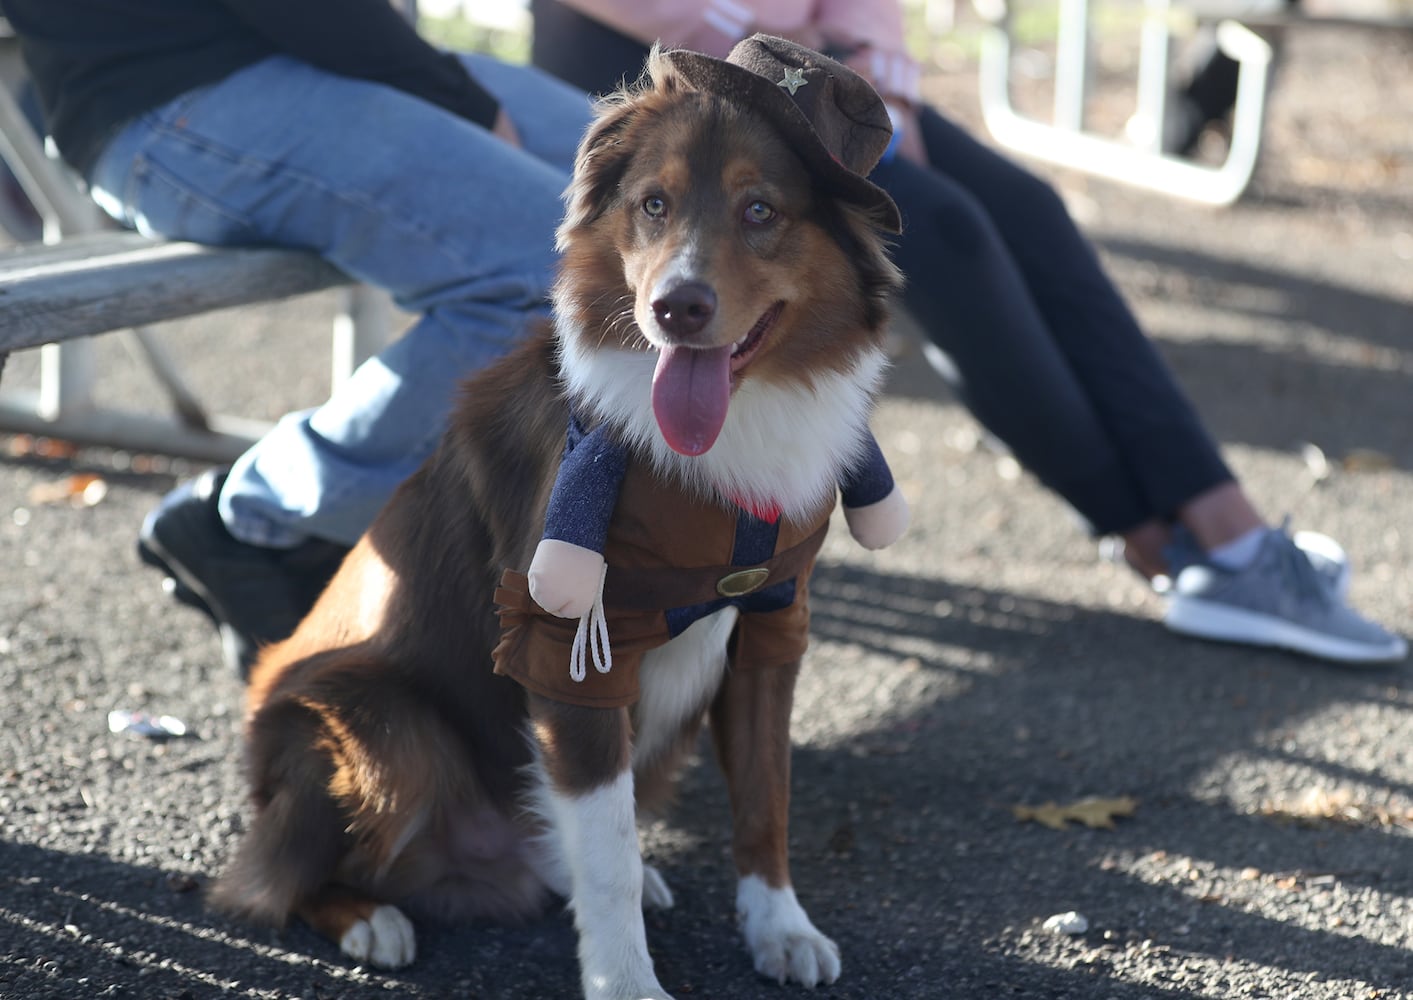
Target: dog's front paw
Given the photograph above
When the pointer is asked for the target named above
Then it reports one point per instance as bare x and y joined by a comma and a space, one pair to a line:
784, 945
604, 990
630, 995
385, 939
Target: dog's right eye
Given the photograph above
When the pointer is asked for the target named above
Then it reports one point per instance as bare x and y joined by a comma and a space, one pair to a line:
759, 212
654, 207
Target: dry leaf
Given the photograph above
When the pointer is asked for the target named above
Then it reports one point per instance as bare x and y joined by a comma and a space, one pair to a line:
27, 445
1367, 460
1095, 813
81, 489
1320, 806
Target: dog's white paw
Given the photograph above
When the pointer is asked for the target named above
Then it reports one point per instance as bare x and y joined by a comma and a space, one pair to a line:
784, 945
598, 989
656, 894
385, 939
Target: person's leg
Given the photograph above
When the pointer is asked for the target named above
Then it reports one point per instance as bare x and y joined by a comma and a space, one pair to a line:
1157, 434
965, 289
581, 51
457, 225
1210, 522
969, 294
1078, 319
1051, 359
1160, 440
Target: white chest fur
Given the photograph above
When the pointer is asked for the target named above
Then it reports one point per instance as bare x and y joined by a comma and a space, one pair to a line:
781, 445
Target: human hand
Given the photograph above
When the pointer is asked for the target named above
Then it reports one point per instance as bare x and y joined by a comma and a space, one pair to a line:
504, 128
908, 129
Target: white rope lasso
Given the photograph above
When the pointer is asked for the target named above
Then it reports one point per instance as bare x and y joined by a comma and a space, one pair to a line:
591, 639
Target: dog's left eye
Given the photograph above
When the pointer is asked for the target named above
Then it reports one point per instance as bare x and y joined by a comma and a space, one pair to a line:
759, 211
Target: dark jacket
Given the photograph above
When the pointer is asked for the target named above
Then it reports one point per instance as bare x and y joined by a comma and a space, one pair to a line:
98, 64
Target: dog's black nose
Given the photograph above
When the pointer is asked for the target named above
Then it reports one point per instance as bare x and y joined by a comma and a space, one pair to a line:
685, 309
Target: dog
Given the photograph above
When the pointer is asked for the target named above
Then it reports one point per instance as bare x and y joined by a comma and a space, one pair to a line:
422, 743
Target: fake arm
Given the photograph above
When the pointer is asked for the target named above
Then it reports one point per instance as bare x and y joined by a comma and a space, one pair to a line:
874, 507
568, 564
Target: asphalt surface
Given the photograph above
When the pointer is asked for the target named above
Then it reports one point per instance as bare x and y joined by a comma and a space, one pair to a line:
990, 661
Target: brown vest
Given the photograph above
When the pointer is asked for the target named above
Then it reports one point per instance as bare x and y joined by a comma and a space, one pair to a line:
667, 549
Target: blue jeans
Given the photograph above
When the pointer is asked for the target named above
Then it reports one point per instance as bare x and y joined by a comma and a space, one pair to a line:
456, 224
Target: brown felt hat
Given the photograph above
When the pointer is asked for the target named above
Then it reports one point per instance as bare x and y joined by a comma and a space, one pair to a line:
834, 119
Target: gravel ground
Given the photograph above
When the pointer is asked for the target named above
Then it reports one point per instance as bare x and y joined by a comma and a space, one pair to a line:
992, 661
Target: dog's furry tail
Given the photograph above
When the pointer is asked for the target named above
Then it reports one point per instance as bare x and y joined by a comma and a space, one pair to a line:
296, 837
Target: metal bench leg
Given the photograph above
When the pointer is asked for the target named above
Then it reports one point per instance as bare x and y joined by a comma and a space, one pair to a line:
361, 329
1066, 144
66, 375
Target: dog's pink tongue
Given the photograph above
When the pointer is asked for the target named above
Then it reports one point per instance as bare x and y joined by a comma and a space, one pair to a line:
691, 391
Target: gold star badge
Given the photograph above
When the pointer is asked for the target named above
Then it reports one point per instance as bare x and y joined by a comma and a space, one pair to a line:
794, 80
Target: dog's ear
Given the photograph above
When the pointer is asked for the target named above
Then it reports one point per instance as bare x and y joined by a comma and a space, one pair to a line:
859, 232
600, 162
603, 154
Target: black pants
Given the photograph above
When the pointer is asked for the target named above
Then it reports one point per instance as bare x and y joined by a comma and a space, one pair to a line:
1046, 353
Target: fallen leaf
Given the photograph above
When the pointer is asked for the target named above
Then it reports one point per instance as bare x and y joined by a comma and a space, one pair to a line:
1367, 460
81, 489
1320, 806
27, 445
1095, 813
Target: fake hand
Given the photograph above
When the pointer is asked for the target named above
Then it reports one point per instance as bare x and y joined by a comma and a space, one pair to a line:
880, 524
565, 578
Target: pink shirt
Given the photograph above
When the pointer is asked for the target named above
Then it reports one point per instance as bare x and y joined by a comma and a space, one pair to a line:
874, 27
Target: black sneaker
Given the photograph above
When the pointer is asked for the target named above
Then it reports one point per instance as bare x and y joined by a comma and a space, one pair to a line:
255, 595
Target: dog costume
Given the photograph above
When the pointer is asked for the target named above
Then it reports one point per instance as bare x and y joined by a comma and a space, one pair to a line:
663, 571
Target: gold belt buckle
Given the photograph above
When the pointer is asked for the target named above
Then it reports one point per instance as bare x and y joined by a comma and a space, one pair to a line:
742, 582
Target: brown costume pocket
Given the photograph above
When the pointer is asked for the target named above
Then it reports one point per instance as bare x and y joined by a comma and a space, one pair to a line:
535, 648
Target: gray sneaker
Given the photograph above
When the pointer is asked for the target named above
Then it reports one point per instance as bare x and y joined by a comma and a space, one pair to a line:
1280, 600
1327, 556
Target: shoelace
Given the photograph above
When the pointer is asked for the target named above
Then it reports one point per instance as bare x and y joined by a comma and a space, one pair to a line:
1295, 565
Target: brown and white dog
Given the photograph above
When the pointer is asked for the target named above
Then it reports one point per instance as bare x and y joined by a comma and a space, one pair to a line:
392, 769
